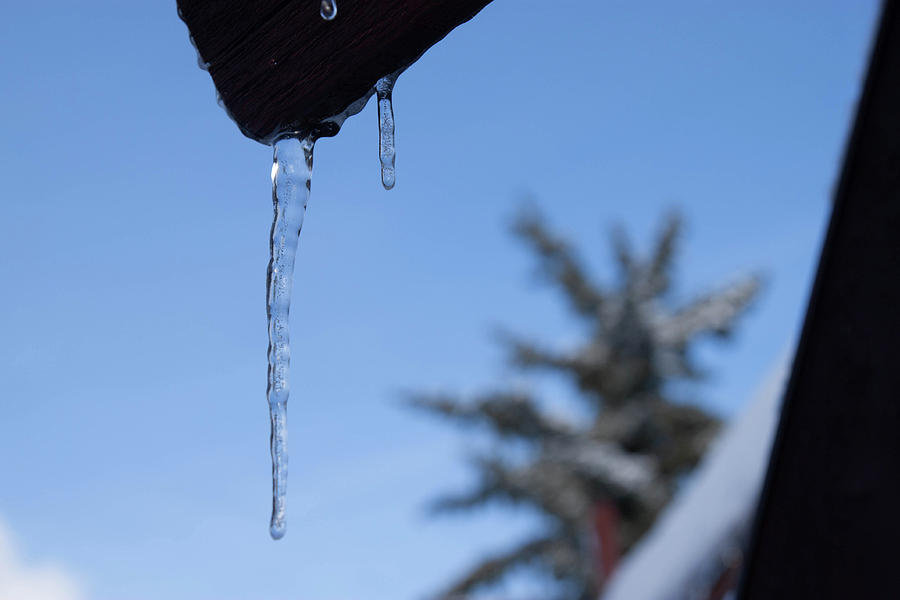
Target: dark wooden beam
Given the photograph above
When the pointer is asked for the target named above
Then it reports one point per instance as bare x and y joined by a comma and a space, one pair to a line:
277, 65
828, 523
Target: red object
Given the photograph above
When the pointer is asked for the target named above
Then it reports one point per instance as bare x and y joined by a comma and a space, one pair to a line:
726, 581
606, 528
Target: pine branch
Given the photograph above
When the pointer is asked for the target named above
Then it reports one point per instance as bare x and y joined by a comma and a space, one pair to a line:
656, 277
687, 432
527, 354
673, 362
559, 264
490, 488
560, 554
564, 481
623, 254
674, 436
492, 570
714, 313
509, 414
611, 472
482, 494
548, 486
586, 365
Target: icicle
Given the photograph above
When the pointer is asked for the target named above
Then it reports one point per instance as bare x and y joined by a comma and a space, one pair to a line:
328, 9
386, 152
291, 174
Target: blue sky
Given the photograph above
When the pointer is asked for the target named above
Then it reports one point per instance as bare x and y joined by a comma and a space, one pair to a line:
133, 226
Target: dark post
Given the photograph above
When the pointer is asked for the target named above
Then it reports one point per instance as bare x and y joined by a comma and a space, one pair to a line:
828, 523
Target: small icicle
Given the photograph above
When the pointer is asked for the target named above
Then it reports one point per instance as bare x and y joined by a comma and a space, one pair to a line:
328, 9
386, 151
291, 174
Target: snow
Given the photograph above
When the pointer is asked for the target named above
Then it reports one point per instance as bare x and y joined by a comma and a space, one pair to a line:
704, 526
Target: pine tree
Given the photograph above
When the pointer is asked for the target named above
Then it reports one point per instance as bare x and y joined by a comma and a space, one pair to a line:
638, 442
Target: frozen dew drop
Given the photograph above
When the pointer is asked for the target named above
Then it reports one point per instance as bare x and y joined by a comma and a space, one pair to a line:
291, 175
200, 62
328, 9
386, 152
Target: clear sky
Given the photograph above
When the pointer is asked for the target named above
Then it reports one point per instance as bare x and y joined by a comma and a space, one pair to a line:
133, 235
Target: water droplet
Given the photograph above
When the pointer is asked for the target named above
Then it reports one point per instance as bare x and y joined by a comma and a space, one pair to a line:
328, 9
291, 175
386, 152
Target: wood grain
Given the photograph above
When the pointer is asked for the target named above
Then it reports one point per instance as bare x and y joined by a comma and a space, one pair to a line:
277, 65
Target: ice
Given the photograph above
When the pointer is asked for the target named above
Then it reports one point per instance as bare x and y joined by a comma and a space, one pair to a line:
386, 151
291, 175
328, 9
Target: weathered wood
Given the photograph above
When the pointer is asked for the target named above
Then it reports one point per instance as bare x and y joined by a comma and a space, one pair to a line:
828, 522
277, 65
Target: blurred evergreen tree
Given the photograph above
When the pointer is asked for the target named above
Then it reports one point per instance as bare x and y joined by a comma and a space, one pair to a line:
628, 457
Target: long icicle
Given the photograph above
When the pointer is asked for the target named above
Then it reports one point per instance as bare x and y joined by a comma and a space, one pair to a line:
291, 175
386, 152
